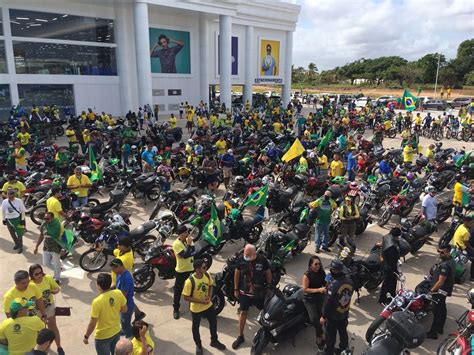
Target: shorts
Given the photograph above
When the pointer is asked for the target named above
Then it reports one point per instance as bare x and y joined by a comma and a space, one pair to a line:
227, 172
51, 310
189, 124
211, 178
246, 302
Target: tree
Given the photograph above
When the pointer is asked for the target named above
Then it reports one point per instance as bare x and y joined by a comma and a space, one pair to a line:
469, 78
464, 62
429, 64
448, 76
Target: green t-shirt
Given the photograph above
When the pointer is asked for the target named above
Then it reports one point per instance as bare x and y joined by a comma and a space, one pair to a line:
324, 210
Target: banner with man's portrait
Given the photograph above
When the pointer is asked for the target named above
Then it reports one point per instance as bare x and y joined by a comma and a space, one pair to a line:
170, 51
269, 63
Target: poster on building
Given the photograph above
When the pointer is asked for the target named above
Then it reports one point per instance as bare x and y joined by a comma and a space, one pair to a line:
170, 51
234, 53
269, 63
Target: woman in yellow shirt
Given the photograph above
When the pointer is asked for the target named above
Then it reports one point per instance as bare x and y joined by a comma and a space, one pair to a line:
141, 341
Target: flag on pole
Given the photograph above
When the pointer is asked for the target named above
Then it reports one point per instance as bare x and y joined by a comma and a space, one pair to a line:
408, 101
295, 151
96, 173
326, 139
258, 198
212, 231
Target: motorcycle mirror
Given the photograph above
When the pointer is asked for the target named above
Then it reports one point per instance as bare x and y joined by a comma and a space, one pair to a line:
388, 295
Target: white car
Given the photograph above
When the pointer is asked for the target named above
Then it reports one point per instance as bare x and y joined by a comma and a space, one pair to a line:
362, 101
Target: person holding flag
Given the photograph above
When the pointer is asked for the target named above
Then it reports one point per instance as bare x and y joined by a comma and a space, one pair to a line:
13, 213
80, 184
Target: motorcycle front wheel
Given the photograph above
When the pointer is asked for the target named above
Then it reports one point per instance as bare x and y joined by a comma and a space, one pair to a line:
377, 322
143, 280
92, 260
449, 346
144, 245
384, 217
254, 234
261, 340
218, 301
37, 214
285, 222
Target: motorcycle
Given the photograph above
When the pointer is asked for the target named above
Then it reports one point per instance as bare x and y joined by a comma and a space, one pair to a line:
402, 332
460, 342
400, 204
144, 185
416, 234
180, 203
283, 315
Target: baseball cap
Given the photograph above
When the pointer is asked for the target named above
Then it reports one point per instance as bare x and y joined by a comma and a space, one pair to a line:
19, 303
116, 262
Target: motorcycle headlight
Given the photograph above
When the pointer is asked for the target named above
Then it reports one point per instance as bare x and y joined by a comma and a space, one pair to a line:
399, 301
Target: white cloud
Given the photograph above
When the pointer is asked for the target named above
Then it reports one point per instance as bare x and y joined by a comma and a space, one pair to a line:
332, 33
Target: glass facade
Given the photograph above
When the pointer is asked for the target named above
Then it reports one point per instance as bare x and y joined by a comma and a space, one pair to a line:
40, 94
35, 24
5, 102
3, 58
64, 59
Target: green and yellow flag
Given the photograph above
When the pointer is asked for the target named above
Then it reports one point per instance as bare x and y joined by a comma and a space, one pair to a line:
408, 101
326, 139
96, 173
258, 198
295, 151
212, 232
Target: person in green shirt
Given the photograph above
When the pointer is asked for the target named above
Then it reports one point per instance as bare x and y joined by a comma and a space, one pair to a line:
324, 207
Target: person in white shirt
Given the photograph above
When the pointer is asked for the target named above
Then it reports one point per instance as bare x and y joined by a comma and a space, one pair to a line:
13, 216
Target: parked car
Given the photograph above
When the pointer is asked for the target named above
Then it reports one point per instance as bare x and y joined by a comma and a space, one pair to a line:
439, 105
460, 101
362, 101
384, 100
424, 99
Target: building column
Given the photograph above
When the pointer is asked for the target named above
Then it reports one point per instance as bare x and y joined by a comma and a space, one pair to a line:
288, 61
125, 86
204, 58
225, 60
10, 57
249, 63
142, 49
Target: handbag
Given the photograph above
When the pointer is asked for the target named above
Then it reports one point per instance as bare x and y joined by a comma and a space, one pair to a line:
62, 311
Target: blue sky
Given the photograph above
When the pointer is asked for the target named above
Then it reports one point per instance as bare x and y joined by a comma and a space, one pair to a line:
331, 33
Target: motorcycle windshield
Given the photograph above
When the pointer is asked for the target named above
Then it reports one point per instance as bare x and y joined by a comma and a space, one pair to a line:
274, 309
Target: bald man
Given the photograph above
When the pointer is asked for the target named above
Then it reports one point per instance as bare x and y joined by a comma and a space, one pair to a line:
124, 347
252, 277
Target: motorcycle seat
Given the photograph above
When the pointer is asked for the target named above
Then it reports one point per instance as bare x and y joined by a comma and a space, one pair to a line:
385, 346
144, 177
103, 207
186, 193
301, 229
142, 230
249, 222
297, 296
200, 245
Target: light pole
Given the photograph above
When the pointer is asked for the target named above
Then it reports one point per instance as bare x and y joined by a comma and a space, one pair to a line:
437, 72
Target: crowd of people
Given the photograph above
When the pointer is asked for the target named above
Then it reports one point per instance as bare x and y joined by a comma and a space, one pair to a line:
332, 146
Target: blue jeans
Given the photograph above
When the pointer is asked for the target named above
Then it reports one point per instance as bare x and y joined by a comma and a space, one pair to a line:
321, 232
126, 321
81, 201
106, 346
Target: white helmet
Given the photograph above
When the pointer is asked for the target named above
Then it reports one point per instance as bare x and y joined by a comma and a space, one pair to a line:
117, 219
266, 180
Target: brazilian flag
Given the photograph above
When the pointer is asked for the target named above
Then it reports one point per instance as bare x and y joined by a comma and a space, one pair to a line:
212, 232
96, 173
408, 101
258, 198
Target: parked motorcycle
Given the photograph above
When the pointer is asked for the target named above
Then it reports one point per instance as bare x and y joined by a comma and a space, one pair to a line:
181, 203
400, 204
416, 234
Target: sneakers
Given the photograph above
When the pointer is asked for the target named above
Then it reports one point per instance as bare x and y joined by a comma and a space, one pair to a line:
176, 314
198, 349
317, 250
15, 247
432, 335
240, 339
218, 345
19, 250
326, 249
61, 351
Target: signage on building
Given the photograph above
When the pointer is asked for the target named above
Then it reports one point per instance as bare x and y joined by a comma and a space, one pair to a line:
268, 81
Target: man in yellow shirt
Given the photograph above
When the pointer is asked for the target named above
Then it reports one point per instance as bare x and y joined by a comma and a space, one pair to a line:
408, 154
21, 330
53, 204
71, 136
336, 168
184, 251
323, 163
14, 184
462, 237
198, 292
80, 185
142, 344
430, 153
23, 289
105, 316
277, 127
24, 137
459, 190
418, 121
173, 121
20, 157
221, 146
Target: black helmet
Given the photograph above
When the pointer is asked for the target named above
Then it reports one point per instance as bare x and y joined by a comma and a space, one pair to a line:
290, 289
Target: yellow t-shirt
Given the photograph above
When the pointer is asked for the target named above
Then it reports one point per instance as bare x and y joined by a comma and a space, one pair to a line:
21, 333
461, 237
345, 121
127, 260
71, 135
200, 292
137, 345
173, 122
323, 161
75, 181
46, 286
18, 187
336, 168
405, 134
32, 293
106, 309
407, 154
53, 205
418, 120
430, 155
277, 127
221, 146
457, 197
21, 152
182, 264
24, 138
